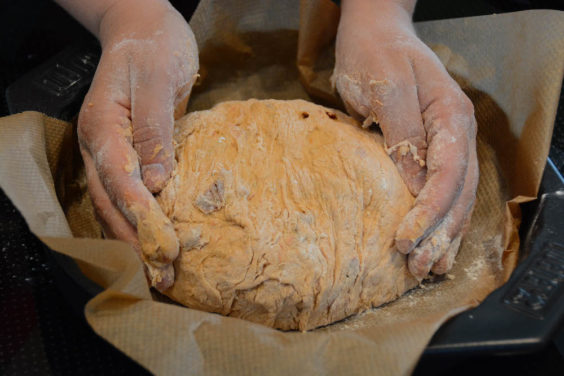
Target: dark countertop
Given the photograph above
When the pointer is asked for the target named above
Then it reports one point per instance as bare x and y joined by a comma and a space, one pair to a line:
41, 332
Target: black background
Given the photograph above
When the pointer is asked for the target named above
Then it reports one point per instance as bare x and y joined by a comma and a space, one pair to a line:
42, 334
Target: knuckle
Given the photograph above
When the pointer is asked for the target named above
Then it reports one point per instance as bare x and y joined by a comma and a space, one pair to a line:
153, 151
93, 130
85, 128
171, 69
419, 264
82, 133
466, 106
391, 87
424, 257
347, 86
150, 133
162, 70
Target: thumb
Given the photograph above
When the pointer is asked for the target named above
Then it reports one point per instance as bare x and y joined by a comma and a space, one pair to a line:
153, 124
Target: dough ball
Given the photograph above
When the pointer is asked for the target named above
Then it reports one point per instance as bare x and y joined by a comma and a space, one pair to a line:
286, 213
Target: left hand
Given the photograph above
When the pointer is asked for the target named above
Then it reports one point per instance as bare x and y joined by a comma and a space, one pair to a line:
385, 74
125, 127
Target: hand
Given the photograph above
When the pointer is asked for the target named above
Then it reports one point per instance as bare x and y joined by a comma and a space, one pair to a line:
385, 74
148, 66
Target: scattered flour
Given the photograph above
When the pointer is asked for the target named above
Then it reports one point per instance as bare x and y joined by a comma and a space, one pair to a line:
475, 269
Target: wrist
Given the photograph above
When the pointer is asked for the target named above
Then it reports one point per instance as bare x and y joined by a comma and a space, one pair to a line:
136, 19
87, 12
378, 9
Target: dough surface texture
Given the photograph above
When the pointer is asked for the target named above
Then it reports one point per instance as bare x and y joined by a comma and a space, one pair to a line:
286, 213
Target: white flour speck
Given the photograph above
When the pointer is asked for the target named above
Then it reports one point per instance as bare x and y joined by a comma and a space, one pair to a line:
474, 270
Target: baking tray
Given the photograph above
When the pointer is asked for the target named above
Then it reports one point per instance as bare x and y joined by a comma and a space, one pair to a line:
519, 317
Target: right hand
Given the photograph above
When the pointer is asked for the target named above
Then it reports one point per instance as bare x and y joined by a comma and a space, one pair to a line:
148, 66
385, 73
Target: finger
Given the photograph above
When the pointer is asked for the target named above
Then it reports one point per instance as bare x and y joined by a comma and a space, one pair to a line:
116, 226
153, 122
421, 260
438, 251
446, 167
465, 204
446, 261
390, 99
396, 108
155, 106
420, 265
103, 131
448, 118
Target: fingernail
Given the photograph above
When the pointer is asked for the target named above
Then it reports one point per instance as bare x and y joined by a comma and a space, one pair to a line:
160, 278
154, 177
419, 266
447, 260
167, 279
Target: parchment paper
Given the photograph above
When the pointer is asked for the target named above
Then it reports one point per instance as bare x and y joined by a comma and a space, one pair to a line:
510, 65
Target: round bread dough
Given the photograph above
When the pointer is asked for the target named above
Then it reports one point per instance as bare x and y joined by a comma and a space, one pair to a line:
286, 213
